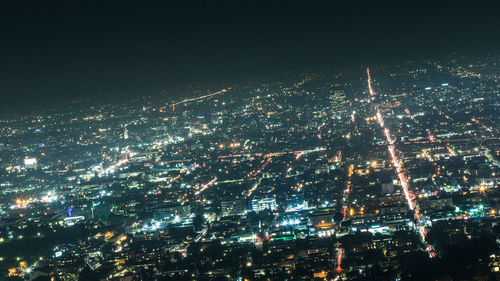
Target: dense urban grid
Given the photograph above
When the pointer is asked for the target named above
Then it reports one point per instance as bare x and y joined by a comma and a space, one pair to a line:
372, 173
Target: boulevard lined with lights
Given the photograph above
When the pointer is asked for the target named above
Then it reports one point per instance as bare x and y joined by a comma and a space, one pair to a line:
399, 171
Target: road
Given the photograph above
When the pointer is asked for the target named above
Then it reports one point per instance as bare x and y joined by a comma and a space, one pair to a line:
400, 173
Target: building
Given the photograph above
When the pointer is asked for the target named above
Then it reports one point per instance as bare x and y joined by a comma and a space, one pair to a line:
30, 163
295, 201
264, 204
232, 207
387, 188
172, 214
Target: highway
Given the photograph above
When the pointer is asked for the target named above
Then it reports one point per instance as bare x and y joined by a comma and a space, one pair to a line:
201, 97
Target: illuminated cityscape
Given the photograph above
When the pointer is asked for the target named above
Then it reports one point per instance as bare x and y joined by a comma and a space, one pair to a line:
249, 141
262, 179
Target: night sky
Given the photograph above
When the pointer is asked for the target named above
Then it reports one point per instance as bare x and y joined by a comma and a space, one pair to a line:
84, 49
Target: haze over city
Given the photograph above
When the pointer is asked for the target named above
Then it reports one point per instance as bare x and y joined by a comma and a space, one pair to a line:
252, 140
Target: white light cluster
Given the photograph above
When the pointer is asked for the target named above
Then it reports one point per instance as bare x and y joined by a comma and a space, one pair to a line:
326, 233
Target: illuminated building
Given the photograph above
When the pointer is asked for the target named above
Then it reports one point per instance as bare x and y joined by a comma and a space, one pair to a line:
232, 207
30, 163
264, 204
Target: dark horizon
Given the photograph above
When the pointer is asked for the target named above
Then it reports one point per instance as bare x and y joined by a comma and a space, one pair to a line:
67, 50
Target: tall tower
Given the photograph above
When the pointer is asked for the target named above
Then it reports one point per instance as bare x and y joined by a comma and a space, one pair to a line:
125, 133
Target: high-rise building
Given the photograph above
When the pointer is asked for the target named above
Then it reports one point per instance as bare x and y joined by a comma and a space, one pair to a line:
338, 103
125, 133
